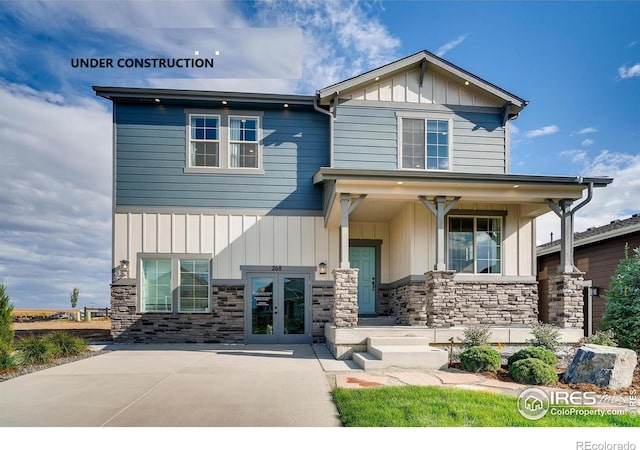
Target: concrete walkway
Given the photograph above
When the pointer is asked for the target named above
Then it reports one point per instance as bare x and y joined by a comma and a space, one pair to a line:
176, 385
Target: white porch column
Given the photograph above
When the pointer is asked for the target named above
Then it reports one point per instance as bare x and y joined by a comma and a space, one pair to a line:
440, 211
344, 231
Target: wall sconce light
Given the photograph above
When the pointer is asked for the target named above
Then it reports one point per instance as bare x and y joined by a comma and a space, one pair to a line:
322, 268
595, 291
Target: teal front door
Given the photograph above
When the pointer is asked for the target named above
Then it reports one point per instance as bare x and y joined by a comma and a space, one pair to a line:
364, 258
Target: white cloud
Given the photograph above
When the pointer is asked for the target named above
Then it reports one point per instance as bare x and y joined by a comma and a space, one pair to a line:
610, 203
629, 72
587, 142
576, 156
588, 130
544, 131
450, 45
55, 191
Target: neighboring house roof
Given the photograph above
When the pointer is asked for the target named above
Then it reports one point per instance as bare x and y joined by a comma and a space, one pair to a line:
417, 60
596, 234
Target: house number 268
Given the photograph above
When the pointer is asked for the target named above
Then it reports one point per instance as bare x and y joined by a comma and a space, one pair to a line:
276, 268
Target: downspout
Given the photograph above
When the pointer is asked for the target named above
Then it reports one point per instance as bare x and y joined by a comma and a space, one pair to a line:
331, 119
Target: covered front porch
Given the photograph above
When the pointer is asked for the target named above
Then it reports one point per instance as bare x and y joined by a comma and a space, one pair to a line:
446, 251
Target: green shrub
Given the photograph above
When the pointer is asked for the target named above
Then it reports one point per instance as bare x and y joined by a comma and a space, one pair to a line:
66, 345
481, 358
622, 308
6, 321
544, 355
606, 337
545, 335
533, 371
7, 360
35, 350
475, 336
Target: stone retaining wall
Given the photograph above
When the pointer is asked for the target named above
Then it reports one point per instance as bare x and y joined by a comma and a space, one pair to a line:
225, 324
407, 303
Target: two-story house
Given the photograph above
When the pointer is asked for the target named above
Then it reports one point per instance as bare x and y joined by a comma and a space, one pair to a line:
285, 218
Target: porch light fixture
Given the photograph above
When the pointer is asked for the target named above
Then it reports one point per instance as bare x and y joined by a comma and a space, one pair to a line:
322, 268
594, 290
121, 271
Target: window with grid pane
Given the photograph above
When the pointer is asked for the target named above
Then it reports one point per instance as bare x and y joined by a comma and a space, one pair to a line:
194, 286
475, 244
425, 144
156, 285
205, 141
243, 141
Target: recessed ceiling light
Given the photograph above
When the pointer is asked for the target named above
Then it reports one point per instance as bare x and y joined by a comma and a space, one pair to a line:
157, 100
377, 78
466, 83
224, 102
400, 182
516, 186
286, 105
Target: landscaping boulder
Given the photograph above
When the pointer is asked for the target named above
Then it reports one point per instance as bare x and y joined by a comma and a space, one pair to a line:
608, 367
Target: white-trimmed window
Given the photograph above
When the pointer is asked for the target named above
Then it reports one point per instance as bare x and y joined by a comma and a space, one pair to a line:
475, 244
194, 286
204, 142
224, 141
425, 143
155, 285
174, 283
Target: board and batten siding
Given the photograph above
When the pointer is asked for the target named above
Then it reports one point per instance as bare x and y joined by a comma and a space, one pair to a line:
366, 136
151, 152
231, 240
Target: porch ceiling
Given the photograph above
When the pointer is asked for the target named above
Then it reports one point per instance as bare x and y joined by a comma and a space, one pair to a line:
388, 191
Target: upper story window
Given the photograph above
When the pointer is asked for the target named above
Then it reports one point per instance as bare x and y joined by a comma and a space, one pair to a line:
205, 141
425, 143
475, 244
223, 141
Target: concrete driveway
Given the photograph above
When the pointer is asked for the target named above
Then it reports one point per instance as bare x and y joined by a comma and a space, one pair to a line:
176, 385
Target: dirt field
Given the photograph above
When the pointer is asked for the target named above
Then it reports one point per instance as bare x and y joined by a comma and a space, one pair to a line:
95, 324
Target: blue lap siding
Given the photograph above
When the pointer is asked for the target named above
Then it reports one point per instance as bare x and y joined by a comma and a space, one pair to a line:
151, 152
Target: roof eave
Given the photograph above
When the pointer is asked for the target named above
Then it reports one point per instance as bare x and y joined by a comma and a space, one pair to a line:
132, 93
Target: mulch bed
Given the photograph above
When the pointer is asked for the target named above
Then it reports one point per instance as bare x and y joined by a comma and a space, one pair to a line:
19, 371
503, 375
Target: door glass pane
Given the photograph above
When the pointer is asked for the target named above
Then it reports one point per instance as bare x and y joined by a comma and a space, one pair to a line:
293, 307
461, 244
262, 305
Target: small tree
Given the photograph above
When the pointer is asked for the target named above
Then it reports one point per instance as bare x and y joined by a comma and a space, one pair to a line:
622, 310
74, 297
6, 322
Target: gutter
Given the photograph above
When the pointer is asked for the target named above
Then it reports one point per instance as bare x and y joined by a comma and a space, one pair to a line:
331, 120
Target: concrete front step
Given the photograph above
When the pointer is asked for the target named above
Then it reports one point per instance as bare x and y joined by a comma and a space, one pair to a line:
405, 356
397, 340
381, 321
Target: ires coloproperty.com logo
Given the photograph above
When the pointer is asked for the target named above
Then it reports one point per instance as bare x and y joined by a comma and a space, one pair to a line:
534, 403
196, 62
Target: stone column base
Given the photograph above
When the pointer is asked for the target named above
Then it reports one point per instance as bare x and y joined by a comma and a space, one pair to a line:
566, 300
344, 308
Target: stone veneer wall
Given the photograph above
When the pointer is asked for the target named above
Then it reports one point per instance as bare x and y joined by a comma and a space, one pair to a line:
344, 308
383, 307
450, 302
566, 300
407, 303
322, 298
225, 324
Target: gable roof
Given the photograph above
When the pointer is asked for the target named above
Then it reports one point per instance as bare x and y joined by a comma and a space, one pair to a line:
595, 234
417, 60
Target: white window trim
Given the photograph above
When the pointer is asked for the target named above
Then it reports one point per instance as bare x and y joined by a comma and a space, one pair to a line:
400, 115
475, 250
175, 280
224, 132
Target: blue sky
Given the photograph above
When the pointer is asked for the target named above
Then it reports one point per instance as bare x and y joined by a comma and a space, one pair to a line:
578, 63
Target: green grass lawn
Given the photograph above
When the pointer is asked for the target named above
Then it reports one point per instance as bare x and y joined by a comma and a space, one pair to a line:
416, 406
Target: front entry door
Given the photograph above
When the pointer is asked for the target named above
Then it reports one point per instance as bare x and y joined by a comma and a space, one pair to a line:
364, 258
278, 308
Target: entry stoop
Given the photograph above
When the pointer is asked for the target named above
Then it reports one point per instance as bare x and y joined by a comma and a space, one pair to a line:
401, 351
